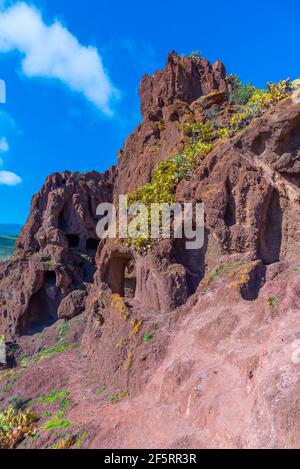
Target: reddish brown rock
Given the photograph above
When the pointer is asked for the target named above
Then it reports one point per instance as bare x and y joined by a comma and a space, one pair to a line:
55, 252
206, 336
73, 305
165, 100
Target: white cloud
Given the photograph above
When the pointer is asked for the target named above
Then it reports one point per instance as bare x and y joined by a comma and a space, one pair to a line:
4, 147
51, 51
9, 179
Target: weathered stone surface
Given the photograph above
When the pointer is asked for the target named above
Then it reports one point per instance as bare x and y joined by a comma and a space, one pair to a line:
206, 336
73, 305
252, 208
165, 100
55, 252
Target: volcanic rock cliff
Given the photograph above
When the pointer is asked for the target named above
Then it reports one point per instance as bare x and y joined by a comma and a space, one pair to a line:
168, 347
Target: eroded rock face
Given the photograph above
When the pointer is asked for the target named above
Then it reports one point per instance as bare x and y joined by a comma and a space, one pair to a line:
227, 379
202, 335
55, 252
250, 188
73, 305
165, 100
63, 213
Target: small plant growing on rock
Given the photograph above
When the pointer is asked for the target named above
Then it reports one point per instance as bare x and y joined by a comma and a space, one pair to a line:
65, 443
118, 303
56, 422
271, 301
136, 326
240, 92
15, 425
148, 338
80, 439
113, 398
200, 130
18, 403
259, 103
54, 396
117, 397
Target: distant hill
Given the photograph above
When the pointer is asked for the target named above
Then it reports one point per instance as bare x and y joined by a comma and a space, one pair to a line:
10, 229
8, 236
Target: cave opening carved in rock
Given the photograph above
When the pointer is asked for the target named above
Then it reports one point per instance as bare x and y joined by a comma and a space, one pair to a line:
41, 313
193, 260
73, 241
42, 307
92, 245
270, 239
50, 277
121, 276
230, 212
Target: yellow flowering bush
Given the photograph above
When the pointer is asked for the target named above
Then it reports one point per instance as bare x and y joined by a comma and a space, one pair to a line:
15, 425
200, 131
259, 103
202, 136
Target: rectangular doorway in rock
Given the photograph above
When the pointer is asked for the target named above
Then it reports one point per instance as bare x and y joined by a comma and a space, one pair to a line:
270, 236
50, 277
73, 241
130, 280
92, 245
193, 260
120, 275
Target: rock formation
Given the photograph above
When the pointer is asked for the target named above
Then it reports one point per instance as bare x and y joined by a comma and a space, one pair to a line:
55, 253
196, 346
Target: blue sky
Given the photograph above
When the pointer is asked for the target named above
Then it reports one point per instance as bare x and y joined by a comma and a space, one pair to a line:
71, 107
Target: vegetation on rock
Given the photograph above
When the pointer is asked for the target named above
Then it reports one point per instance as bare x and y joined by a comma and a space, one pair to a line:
15, 425
202, 137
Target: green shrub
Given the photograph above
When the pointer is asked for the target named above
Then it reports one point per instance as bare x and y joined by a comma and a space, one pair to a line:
200, 130
148, 338
18, 403
240, 92
15, 425
202, 136
259, 103
81, 439
58, 421
54, 396
113, 398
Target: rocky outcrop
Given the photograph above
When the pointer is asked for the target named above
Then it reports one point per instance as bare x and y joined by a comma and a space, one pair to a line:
195, 331
55, 253
251, 201
63, 213
73, 305
165, 99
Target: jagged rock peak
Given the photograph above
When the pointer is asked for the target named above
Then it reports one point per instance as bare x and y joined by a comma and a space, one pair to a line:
184, 78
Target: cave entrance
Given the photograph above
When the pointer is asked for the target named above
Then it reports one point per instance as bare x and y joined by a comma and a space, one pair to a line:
50, 277
73, 240
92, 245
130, 280
41, 313
270, 239
121, 276
193, 260
230, 212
